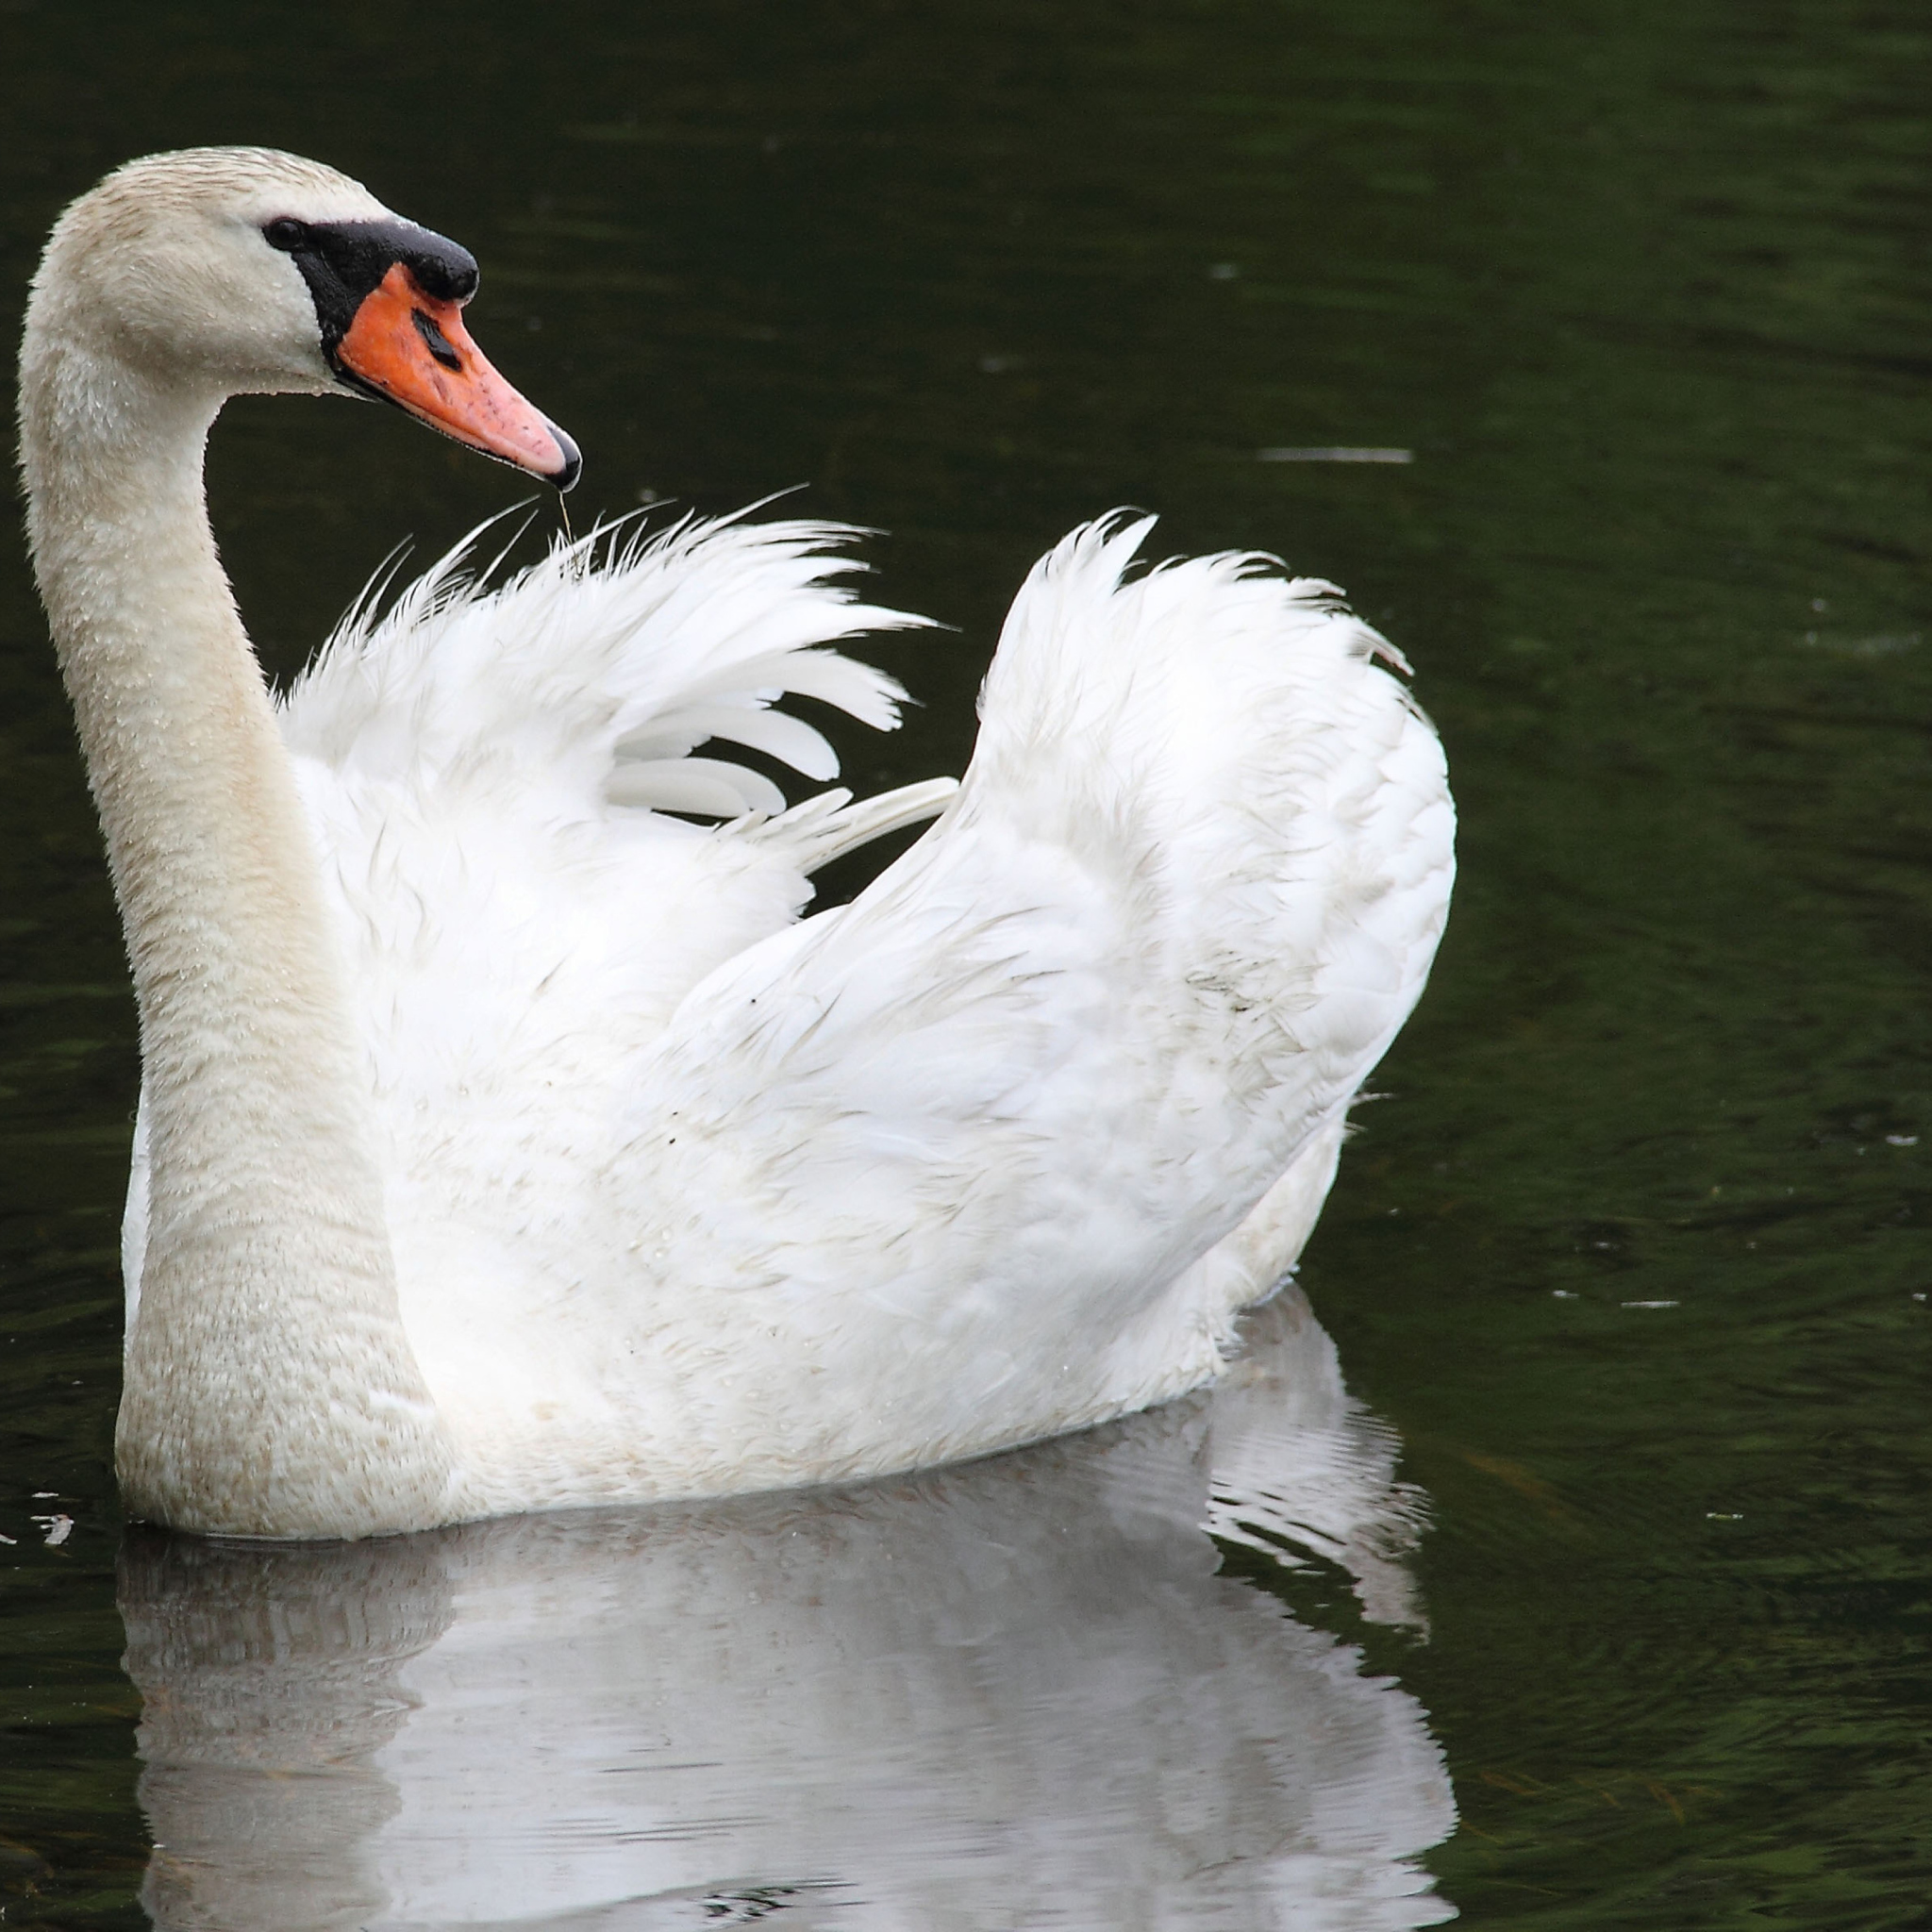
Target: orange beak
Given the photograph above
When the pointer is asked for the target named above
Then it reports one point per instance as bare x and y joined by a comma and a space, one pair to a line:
414, 350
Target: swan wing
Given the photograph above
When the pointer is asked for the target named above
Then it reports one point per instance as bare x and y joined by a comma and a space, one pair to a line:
492, 774
621, 650
956, 1148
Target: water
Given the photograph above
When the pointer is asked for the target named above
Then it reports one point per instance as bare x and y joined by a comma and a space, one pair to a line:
1014, 1692
1627, 1260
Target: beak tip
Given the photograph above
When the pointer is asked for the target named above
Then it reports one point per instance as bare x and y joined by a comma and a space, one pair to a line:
566, 478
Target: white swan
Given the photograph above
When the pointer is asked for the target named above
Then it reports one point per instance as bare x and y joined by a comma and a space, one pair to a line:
508, 1144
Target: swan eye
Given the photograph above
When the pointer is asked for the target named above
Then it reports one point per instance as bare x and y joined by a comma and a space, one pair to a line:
286, 233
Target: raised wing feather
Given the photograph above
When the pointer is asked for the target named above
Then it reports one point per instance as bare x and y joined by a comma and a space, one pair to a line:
988, 1117
488, 772
684, 1196
488, 769
615, 650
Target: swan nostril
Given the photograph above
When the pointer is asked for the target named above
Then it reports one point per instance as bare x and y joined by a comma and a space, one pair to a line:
435, 341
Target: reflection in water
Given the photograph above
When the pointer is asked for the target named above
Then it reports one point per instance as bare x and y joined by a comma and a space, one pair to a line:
1014, 1694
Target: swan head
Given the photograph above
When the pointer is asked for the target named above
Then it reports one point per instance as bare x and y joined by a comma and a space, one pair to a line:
233, 271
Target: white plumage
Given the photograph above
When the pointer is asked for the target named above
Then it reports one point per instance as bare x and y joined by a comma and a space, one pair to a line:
732, 1203
682, 1194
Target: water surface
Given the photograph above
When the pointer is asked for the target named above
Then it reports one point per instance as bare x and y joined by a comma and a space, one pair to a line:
1015, 1693
1629, 1256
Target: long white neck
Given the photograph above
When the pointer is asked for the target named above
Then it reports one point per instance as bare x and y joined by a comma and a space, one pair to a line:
270, 1388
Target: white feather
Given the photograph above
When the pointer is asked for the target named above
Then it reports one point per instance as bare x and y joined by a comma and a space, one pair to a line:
689, 1197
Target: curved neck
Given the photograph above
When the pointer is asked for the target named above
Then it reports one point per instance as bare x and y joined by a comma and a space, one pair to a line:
270, 1389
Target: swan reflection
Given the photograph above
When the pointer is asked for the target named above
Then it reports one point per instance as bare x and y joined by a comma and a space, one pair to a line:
1014, 1694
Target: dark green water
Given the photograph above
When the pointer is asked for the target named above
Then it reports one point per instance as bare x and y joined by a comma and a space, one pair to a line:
1632, 1256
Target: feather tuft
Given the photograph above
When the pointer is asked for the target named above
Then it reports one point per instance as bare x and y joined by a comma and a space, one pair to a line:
603, 667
